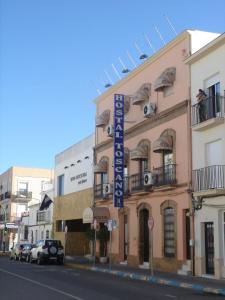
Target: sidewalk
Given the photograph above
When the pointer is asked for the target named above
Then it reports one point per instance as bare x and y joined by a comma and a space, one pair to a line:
200, 284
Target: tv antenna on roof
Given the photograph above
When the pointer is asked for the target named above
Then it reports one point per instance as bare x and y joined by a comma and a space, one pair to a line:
125, 69
149, 42
170, 24
142, 54
131, 59
110, 82
160, 35
116, 71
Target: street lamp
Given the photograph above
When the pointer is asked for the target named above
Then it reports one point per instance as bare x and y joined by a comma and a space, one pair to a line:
5, 229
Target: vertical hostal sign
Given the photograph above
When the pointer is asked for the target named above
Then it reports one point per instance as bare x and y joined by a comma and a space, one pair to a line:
118, 149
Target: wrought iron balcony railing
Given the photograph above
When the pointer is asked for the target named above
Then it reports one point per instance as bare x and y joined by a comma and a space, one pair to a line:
212, 177
137, 182
24, 194
99, 189
211, 107
43, 216
164, 175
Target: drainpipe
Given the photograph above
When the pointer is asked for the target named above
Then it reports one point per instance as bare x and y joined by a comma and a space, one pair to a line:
192, 232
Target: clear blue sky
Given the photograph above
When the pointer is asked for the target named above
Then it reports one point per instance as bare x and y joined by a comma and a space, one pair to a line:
53, 52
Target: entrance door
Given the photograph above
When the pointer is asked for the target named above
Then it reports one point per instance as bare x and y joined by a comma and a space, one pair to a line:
144, 236
209, 247
188, 234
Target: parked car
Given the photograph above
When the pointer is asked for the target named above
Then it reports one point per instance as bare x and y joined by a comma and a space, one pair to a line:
25, 253
47, 250
15, 252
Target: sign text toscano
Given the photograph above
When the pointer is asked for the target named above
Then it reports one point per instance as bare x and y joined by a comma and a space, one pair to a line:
118, 149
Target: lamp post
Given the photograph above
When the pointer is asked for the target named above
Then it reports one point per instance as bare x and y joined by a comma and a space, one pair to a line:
4, 230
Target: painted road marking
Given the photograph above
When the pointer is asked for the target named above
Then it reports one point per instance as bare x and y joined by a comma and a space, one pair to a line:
170, 296
41, 284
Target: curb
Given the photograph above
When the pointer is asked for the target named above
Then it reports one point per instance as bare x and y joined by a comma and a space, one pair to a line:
153, 279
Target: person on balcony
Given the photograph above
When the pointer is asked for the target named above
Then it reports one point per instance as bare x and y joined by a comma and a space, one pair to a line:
201, 104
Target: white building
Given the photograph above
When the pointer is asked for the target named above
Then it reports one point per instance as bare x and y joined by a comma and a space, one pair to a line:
37, 224
208, 147
73, 193
19, 189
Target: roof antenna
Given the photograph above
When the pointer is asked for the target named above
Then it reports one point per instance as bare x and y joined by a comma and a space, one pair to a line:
142, 55
97, 90
125, 69
131, 59
160, 36
110, 83
170, 24
149, 42
116, 72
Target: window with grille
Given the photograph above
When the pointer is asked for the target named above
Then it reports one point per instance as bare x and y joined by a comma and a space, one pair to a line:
47, 234
169, 232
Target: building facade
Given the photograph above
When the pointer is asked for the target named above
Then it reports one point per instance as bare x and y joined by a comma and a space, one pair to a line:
20, 188
208, 148
157, 162
73, 193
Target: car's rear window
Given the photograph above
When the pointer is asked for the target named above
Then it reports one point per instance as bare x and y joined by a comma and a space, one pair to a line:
53, 243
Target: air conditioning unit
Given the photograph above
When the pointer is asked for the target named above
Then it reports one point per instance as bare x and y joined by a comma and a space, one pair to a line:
110, 130
148, 180
149, 109
107, 189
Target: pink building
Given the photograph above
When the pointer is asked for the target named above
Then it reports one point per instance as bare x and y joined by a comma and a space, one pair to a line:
157, 160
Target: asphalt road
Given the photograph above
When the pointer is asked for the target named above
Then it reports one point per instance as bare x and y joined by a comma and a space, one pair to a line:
25, 281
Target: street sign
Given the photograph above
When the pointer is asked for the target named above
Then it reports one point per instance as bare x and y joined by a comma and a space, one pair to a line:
151, 222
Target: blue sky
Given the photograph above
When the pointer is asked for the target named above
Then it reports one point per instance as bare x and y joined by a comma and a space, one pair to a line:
53, 57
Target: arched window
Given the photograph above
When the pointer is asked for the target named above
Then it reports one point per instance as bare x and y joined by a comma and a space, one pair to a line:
169, 232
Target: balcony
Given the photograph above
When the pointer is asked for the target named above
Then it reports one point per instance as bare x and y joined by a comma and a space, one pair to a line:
162, 176
43, 216
24, 194
208, 113
137, 182
165, 175
99, 192
209, 181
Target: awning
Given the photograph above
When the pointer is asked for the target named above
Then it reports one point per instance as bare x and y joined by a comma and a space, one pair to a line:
103, 118
101, 214
142, 94
165, 79
101, 167
140, 152
163, 143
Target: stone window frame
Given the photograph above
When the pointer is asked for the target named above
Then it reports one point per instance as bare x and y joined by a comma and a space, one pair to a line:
163, 206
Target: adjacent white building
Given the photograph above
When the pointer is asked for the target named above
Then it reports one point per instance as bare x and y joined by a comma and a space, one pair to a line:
20, 188
208, 157
73, 193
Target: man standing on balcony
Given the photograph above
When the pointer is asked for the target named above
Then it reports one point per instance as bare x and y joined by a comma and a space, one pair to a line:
201, 104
